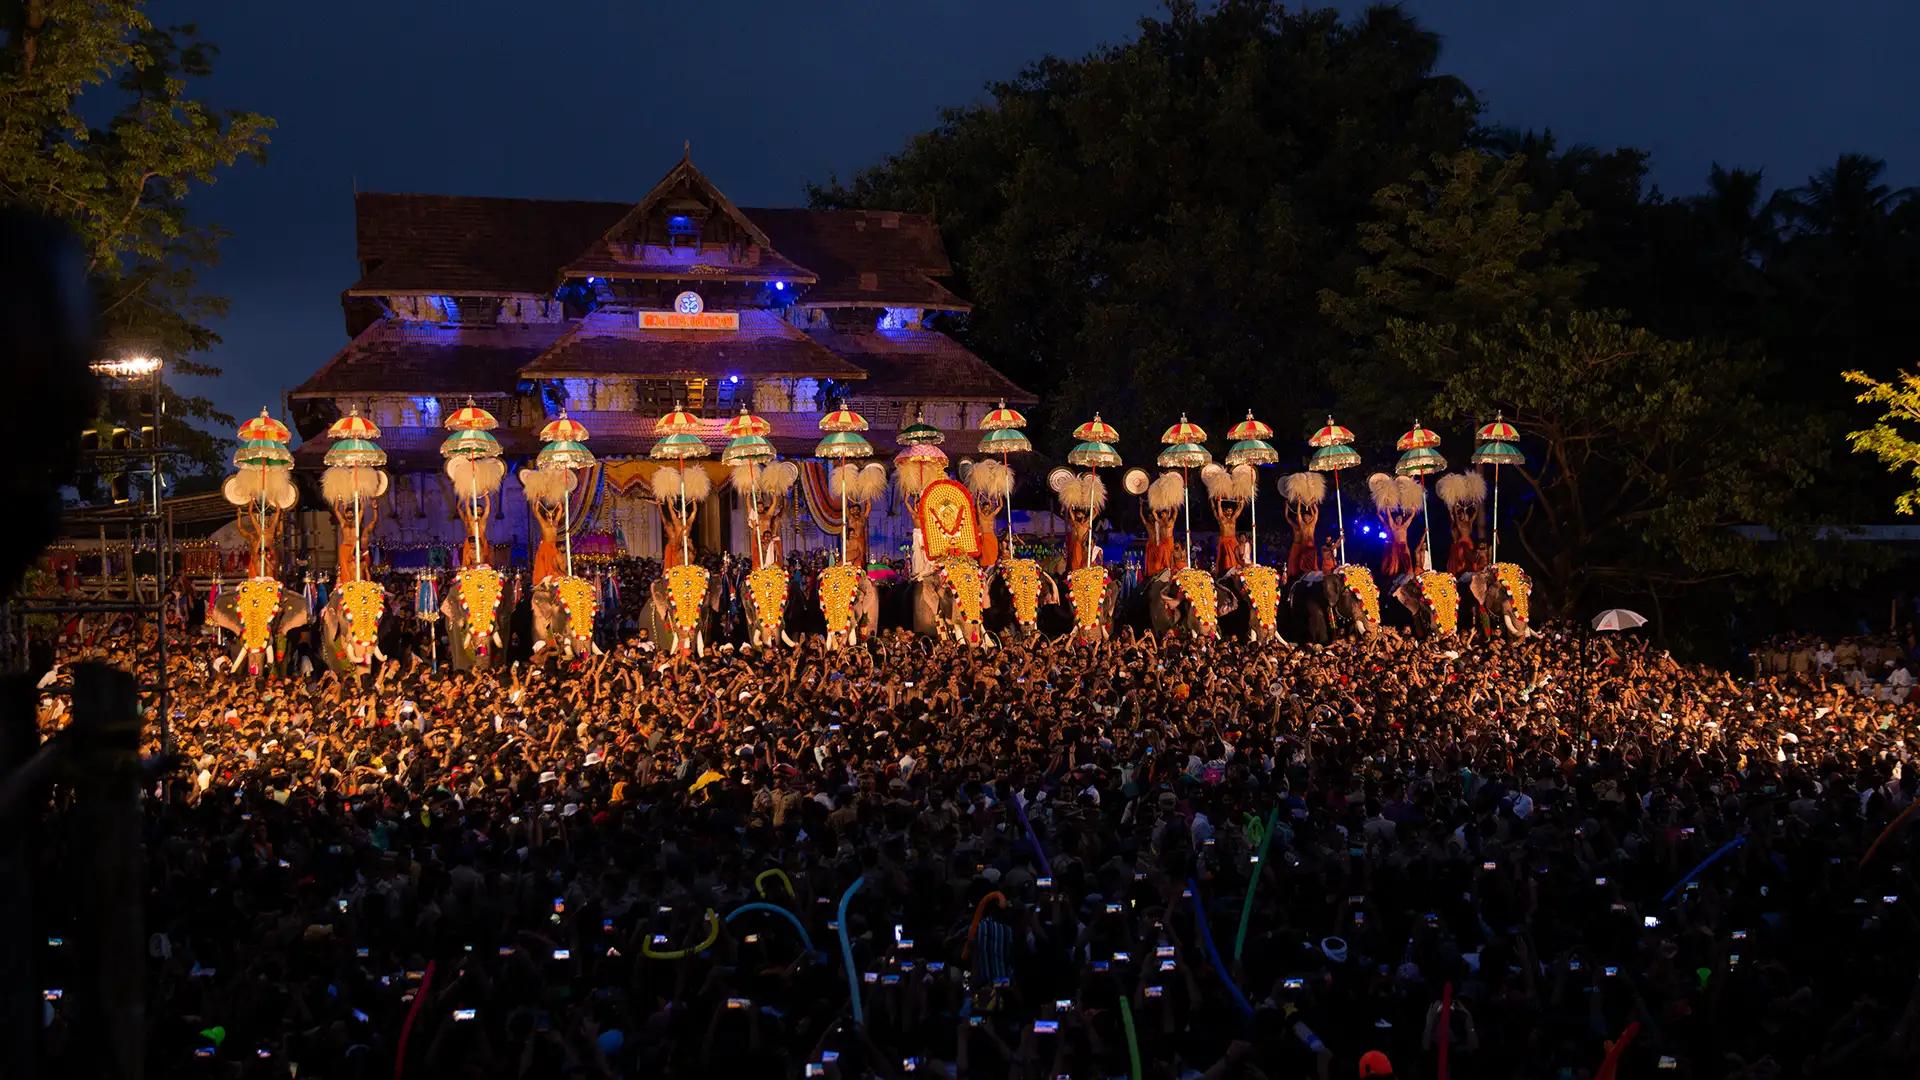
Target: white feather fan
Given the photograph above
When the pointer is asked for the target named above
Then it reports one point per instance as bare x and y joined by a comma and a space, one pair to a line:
244, 488
862, 484
471, 474
1386, 494
913, 475
667, 480
1246, 479
992, 479
777, 478
1229, 484
1456, 489
1412, 495
1304, 488
338, 484
1082, 492
546, 485
1166, 492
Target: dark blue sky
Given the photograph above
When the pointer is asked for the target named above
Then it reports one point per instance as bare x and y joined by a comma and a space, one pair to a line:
593, 99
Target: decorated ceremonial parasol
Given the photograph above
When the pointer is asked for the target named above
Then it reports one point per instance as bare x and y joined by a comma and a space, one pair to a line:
1498, 446
264, 428
681, 446
1003, 436
749, 447
1096, 430
566, 449
1183, 451
471, 417
354, 449
1095, 451
472, 440
918, 465
920, 432
1250, 447
1420, 461
677, 422
843, 442
1002, 418
1333, 451
263, 447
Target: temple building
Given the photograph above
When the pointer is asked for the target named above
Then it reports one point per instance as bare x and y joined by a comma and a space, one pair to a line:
615, 312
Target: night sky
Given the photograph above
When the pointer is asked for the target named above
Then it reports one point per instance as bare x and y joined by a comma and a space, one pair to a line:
593, 100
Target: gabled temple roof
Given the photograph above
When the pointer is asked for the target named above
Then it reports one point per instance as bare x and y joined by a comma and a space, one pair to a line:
919, 365
472, 245
765, 346
394, 357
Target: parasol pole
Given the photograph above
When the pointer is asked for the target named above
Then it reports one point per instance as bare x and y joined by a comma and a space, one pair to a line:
1340, 516
1186, 503
356, 523
843, 518
686, 523
1011, 552
1090, 471
566, 522
753, 514
1496, 512
1427, 524
473, 511
1253, 508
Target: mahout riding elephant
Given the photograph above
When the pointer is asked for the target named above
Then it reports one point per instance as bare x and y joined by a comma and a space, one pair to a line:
563, 616
260, 612
350, 627
1188, 600
1504, 595
475, 601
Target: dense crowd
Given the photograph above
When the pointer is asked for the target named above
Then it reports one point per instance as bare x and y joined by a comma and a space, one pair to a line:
541, 872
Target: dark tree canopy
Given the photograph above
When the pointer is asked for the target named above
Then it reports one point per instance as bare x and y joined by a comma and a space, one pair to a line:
1297, 212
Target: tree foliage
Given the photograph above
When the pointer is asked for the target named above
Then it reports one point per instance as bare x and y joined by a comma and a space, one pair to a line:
98, 130
1146, 229
1895, 438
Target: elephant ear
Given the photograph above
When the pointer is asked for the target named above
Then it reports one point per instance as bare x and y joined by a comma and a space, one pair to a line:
1409, 594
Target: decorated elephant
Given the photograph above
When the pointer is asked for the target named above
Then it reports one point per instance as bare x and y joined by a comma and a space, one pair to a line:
473, 606
1344, 602
261, 613
1093, 597
563, 613
1187, 600
764, 600
1504, 594
350, 627
849, 604
683, 609
950, 601
1257, 588
1019, 593
1434, 599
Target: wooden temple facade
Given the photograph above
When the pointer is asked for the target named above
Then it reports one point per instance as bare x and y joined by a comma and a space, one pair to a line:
616, 312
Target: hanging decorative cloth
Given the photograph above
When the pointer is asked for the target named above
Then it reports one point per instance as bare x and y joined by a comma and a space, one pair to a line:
822, 506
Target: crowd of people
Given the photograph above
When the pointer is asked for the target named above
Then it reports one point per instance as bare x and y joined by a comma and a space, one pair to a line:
1149, 857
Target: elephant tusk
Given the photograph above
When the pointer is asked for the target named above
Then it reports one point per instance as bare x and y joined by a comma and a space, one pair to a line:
538, 645
699, 644
497, 643
788, 639
378, 655
598, 651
